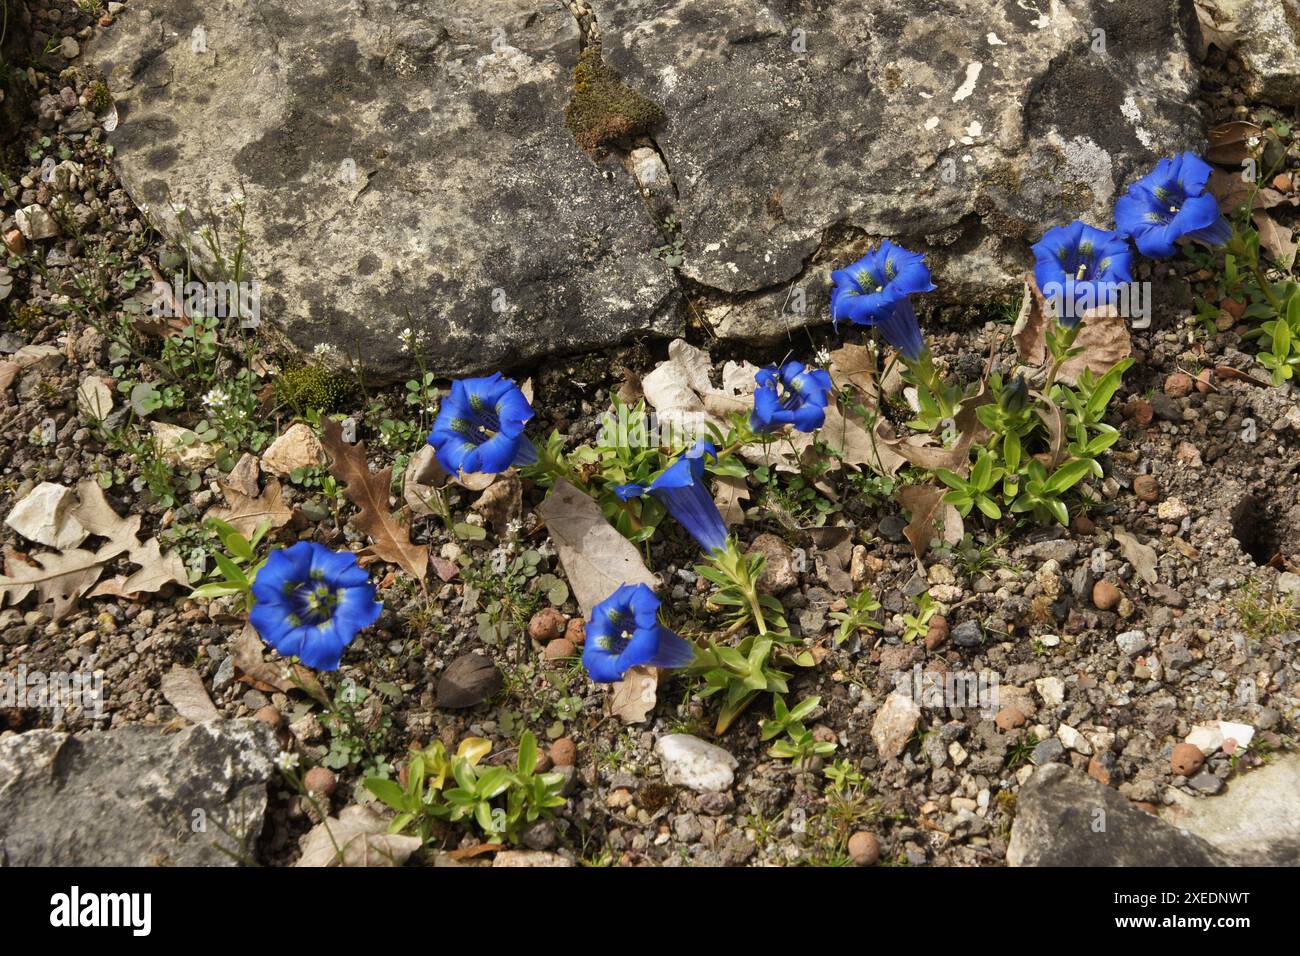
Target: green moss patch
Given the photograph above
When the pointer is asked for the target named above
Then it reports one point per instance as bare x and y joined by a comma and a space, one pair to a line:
604, 109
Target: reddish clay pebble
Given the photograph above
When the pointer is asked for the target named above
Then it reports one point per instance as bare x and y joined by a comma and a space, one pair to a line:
1146, 488
1203, 381
1009, 718
1233, 307
1186, 759
1097, 770
558, 649
1084, 525
576, 631
937, 633
564, 753
320, 780
864, 848
1140, 412
1178, 385
1105, 596
546, 625
270, 716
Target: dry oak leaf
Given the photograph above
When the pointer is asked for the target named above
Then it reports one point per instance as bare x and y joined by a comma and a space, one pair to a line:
183, 689
1275, 239
356, 837
97, 516
1141, 556
389, 540
59, 577
928, 510
634, 697
246, 651
245, 512
1229, 142
854, 366
1105, 341
728, 493
596, 559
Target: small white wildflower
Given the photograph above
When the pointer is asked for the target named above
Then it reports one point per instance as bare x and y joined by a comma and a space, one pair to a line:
216, 397
823, 356
287, 761
179, 208
235, 198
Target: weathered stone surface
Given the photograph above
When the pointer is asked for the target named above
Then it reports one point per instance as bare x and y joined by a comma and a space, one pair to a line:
133, 796
1066, 819
1265, 34
405, 165
694, 763
1257, 822
794, 135
796, 132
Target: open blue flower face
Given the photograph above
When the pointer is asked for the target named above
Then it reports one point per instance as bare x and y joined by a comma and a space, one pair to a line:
874, 291
311, 602
1080, 268
1170, 203
480, 426
791, 395
681, 489
624, 631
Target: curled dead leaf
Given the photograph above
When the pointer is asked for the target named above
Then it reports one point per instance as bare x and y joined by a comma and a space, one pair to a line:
634, 697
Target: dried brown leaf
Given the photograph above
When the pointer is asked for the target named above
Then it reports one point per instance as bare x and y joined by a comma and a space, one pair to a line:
390, 541
728, 494
634, 697
854, 366
1275, 239
246, 651
60, 578
244, 513
358, 836
1031, 325
928, 510
183, 689
597, 560
1141, 556
1229, 142
244, 476
1105, 341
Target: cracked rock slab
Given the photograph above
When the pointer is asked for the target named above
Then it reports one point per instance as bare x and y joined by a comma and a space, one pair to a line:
405, 166
1064, 818
796, 133
134, 796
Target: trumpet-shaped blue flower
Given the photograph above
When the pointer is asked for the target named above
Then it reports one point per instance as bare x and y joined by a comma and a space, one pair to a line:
791, 395
681, 489
1170, 203
874, 291
1080, 268
624, 631
480, 427
311, 602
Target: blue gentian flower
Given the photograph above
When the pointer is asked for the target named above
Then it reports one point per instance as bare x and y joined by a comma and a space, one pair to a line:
480, 427
311, 602
624, 631
682, 490
874, 291
1170, 203
791, 395
1080, 268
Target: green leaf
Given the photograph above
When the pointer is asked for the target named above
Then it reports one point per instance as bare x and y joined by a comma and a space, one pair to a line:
389, 791
1069, 475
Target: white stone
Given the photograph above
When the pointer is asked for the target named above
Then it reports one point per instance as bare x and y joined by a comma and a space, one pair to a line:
297, 448
43, 517
1071, 739
894, 724
1051, 690
94, 398
1207, 737
180, 446
35, 223
691, 762
1243, 734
